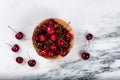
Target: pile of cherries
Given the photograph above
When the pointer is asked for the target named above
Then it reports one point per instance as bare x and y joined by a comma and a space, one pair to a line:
52, 39
85, 55
15, 48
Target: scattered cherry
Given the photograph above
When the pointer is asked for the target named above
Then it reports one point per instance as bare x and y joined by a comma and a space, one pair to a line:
19, 35
53, 37
32, 62
43, 53
19, 60
15, 48
89, 36
85, 55
50, 54
42, 37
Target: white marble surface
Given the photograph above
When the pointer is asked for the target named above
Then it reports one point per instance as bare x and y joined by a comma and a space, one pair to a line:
100, 17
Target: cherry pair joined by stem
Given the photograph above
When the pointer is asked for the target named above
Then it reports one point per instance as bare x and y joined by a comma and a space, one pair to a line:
31, 62
85, 55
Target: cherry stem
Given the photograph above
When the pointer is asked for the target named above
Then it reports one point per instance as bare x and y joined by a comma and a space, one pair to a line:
88, 45
12, 29
60, 48
8, 44
28, 54
67, 24
27, 39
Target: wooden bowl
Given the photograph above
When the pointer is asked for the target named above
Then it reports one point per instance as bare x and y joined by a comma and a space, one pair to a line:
61, 22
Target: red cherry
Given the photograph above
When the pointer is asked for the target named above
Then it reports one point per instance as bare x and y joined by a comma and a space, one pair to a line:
56, 26
38, 30
15, 48
53, 37
32, 62
50, 54
40, 44
66, 45
63, 52
42, 38
89, 36
19, 60
53, 47
65, 31
44, 26
50, 30
68, 35
60, 42
19, 35
50, 22
46, 47
34, 37
85, 56
43, 53
57, 30
57, 52
50, 42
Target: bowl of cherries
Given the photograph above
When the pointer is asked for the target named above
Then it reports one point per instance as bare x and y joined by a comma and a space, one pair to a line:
53, 38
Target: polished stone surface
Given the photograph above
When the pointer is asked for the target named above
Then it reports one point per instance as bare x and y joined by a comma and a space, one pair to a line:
99, 17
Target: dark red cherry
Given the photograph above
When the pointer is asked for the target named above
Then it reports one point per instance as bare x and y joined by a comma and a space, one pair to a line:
19, 35
15, 48
50, 42
89, 36
46, 47
32, 62
40, 44
68, 35
53, 37
44, 26
65, 31
57, 30
34, 37
38, 30
51, 22
56, 26
43, 53
63, 52
42, 37
53, 47
60, 42
57, 52
50, 30
50, 53
19, 60
66, 45
85, 55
